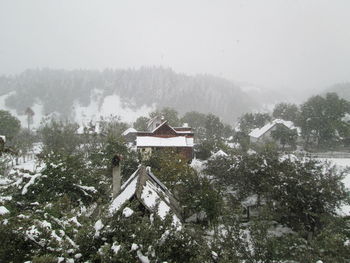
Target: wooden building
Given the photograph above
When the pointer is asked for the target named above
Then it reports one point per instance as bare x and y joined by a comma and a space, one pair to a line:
161, 135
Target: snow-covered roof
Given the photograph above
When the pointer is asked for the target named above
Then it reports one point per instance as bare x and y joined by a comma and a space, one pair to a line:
151, 141
146, 187
3, 137
160, 125
127, 131
258, 132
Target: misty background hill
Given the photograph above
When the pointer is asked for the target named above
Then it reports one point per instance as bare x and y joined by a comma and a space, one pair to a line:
342, 89
76, 93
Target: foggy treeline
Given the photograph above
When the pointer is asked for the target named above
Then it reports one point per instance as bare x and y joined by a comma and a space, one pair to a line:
57, 90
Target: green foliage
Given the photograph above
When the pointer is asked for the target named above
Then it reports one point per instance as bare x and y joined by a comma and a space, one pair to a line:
141, 123
10, 125
143, 234
243, 139
306, 192
112, 126
44, 259
58, 136
13, 246
286, 111
197, 122
195, 193
214, 127
169, 114
285, 136
250, 121
23, 141
220, 168
297, 193
321, 120
68, 175
204, 149
331, 244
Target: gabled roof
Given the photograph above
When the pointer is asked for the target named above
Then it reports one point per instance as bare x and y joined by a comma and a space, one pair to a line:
161, 125
150, 192
258, 132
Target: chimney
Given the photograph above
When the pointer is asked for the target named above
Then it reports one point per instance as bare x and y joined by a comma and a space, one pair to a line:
116, 173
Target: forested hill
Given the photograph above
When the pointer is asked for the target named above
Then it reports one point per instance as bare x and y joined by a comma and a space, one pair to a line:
59, 90
342, 89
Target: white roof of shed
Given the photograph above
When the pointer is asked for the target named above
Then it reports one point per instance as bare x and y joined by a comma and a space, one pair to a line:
151, 141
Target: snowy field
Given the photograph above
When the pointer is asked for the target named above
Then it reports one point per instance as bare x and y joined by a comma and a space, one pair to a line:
341, 163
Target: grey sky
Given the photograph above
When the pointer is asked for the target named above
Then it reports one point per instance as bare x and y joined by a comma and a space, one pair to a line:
282, 43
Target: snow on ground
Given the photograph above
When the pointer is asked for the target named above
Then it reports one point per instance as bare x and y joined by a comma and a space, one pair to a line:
113, 105
341, 163
37, 109
106, 106
29, 163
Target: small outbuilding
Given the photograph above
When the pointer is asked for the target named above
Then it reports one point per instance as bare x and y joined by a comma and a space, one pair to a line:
264, 134
144, 187
159, 136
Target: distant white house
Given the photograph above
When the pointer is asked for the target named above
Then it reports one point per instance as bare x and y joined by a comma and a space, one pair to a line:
264, 134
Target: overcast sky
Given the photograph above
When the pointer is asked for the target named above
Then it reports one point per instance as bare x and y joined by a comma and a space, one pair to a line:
288, 44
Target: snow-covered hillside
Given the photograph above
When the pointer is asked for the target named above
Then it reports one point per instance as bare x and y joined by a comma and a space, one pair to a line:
99, 107
65, 92
37, 108
106, 106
